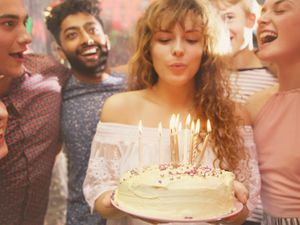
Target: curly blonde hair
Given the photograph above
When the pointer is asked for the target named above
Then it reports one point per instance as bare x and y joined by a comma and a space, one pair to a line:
212, 98
249, 6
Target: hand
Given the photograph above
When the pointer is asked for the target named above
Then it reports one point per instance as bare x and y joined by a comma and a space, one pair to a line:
242, 195
3, 122
106, 200
241, 192
105, 208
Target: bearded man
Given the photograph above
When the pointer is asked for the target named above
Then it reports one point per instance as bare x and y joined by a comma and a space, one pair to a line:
78, 31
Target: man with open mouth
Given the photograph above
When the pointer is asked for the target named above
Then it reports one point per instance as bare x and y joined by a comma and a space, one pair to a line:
30, 90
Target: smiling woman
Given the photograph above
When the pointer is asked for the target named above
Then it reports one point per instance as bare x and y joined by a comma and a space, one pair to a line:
283, 15
274, 111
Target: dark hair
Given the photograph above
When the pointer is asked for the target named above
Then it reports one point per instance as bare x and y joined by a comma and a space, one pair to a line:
58, 13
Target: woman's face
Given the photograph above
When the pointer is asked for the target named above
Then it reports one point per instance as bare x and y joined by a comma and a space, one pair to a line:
278, 31
176, 53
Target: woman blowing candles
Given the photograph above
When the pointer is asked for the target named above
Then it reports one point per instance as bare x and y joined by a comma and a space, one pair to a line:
275, 113
175, 69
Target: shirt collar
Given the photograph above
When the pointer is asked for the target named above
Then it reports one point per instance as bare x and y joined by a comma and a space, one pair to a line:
15, 98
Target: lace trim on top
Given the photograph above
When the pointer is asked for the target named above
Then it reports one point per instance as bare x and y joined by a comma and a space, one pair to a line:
115, 151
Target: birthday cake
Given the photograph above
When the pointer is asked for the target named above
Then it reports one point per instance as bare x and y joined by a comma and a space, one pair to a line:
181, 192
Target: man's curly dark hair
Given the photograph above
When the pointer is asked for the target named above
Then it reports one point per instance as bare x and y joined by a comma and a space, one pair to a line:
58, 13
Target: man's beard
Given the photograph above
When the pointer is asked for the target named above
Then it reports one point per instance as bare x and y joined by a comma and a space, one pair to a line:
82, 68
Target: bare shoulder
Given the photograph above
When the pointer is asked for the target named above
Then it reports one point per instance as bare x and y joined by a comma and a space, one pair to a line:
258, 100
119, 108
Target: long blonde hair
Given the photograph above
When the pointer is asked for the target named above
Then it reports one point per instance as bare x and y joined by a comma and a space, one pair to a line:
212, 98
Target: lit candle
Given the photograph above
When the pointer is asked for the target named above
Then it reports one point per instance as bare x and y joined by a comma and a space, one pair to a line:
177, 120
186, 139
178, 131
191, 143
188, 121
197, 126
174, 141
195, 140
206, 139
205, 142
140, 145
179, 127
159, 143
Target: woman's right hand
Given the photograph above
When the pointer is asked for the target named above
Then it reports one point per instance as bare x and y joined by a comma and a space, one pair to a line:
105, 208
3, 123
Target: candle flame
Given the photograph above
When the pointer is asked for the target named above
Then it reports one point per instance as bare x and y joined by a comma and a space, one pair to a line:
140, 127
188, 121
180, 126
177, 119
193, 126
208, 126
159, 128
197, 126
172, 122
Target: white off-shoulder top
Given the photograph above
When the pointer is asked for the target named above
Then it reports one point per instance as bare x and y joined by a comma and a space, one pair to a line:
115, 150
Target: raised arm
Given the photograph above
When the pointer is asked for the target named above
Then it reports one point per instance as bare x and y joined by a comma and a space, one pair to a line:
103, 170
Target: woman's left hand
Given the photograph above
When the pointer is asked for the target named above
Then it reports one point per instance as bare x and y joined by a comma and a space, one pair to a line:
240, 192
242, 195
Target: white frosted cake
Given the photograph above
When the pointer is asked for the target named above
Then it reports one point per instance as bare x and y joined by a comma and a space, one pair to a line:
183, 192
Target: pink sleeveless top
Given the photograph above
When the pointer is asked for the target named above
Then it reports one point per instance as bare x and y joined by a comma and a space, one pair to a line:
277, 136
